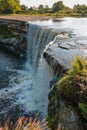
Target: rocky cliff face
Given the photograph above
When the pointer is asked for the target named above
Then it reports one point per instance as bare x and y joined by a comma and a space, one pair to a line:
63, 49
60, 54
13, 36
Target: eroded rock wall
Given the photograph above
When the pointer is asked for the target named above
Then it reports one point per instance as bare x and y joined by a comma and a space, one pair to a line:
60, 54
13, 37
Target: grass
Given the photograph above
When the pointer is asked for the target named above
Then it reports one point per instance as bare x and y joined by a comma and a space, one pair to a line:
24, 123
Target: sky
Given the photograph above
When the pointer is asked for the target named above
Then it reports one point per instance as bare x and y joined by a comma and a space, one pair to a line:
69, 3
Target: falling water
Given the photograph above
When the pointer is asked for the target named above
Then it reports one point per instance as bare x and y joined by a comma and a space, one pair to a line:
38, 38
30, 85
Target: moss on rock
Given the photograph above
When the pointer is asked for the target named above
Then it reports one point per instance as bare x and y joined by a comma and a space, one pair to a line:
73, 85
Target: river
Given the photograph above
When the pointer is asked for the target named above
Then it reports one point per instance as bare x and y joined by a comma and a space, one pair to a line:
23, 89
76, 26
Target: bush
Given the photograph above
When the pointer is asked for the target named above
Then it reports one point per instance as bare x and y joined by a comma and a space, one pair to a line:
70, 85
83, 108
74, 85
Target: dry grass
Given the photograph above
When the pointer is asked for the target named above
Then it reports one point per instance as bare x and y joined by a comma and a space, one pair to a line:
26, 124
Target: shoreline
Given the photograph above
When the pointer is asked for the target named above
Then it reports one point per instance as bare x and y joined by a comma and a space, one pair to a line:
24, 18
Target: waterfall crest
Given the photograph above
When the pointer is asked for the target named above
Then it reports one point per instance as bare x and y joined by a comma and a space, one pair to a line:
38, 37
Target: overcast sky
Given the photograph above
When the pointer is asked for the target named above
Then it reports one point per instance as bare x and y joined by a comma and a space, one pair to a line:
69, 3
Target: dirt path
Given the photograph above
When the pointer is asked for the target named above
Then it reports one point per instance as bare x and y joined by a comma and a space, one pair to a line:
24, 17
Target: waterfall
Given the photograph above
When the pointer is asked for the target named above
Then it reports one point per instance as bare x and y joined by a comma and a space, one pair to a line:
38, 37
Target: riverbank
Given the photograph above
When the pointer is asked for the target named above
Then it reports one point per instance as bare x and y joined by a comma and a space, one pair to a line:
25, 18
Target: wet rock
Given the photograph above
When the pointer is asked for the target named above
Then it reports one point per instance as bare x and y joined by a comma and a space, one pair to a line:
61, 114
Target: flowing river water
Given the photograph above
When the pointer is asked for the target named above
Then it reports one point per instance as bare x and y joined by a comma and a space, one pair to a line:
24, 84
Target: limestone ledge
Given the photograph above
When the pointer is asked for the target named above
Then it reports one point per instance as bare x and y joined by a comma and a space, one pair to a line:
63, 49
60, 54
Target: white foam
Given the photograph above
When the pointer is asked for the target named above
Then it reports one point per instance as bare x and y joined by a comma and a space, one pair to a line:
28, 89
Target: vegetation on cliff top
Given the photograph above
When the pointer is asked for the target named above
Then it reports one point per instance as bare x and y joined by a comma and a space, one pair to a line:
73, 85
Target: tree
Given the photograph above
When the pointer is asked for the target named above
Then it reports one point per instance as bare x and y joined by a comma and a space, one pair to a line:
81, 9
41, 9
10, 6
57, 6
24, 8
47, 9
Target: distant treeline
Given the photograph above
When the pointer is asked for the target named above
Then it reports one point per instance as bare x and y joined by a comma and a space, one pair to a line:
58, 9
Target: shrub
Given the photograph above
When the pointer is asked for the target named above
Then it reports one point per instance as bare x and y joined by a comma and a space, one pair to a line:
83, 108
74, 85
75, 78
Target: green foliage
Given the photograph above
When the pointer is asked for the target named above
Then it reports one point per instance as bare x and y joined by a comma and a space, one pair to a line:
77, 66
9, 6
52, 122
58, 6
83, 108
43, 9
24, 8
77, 75
74, 85
81, 9
58, 9
67, 85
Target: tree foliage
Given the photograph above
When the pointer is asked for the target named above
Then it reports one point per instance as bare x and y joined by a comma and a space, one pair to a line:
83, 108
81, 9
24, 7
58, 9
58, 6
43, 9
9, 6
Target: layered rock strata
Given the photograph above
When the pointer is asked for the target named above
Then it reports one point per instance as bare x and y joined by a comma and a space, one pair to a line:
13, 36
